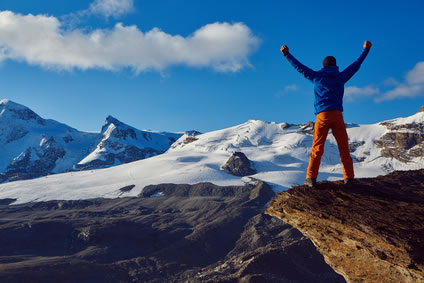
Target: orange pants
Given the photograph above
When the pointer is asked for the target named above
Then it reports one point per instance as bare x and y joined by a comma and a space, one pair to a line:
325, 121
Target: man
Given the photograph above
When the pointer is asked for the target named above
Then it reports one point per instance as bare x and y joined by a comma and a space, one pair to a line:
329, 88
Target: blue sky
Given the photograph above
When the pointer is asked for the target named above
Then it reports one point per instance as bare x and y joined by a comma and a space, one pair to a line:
205, 65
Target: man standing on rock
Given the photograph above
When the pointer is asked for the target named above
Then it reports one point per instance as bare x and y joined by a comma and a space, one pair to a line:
329, 89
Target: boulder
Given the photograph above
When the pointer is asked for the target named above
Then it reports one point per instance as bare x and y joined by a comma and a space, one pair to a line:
239, 165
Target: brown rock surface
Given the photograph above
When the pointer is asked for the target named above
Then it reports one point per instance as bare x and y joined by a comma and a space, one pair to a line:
372, 231
402, 142
421, 109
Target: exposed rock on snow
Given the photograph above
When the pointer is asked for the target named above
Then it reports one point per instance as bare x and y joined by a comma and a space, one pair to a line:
188, 137
238, 165
36, 162
307, 128
405, 138
199, 233
370, 232
421, 109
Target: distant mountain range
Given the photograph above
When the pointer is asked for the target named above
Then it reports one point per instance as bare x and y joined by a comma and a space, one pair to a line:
278, 153
31, 146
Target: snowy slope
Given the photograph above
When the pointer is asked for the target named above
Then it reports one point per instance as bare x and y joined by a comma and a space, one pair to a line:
279, 153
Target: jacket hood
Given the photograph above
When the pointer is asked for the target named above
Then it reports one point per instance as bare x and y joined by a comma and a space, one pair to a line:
330, 69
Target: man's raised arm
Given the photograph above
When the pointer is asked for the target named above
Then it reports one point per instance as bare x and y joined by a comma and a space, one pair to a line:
308, 73
354, 67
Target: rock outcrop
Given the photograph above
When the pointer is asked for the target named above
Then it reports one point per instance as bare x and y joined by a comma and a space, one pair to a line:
238, 165
171, 233
372, 231
403, 141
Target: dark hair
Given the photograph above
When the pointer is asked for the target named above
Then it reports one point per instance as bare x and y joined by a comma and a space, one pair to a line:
329, 61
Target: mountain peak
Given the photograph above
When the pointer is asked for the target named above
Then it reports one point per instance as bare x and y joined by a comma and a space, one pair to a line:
15, 110
421, 109
4, 101
112, 120
12, 105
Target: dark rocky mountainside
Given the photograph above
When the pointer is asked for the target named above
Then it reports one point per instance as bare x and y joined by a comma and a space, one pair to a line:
170, 233
372, 231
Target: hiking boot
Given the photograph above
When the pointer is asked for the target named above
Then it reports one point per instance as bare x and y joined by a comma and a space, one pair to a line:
310, 182
349, 182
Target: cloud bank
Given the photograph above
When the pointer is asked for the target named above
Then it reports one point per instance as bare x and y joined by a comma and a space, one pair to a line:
41, 40
412, 87
353, 92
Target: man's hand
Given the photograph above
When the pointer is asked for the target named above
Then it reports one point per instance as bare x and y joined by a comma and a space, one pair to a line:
284, 49
367, 44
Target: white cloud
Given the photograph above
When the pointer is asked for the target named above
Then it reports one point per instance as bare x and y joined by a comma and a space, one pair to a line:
291, 88
287, 88
416, 75
41, 40
391, 82
402, 91
111, 8
412, 87
352, 93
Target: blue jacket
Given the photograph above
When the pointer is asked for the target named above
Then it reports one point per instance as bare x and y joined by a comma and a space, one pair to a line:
329, 82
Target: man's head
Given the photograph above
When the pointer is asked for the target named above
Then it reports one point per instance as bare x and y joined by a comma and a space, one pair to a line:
329, 61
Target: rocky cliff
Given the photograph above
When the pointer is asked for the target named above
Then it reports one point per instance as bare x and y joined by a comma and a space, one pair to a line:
370, 232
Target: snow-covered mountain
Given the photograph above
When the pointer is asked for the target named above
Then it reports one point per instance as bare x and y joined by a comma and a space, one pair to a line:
119, 143
279, 153
31, 146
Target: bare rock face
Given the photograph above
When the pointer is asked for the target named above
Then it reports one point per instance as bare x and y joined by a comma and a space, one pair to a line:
35, 162
239, 165
402, 142
307, 128
370, 232
421, 109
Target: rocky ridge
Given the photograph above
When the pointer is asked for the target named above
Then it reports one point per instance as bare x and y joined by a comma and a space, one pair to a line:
370, 232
